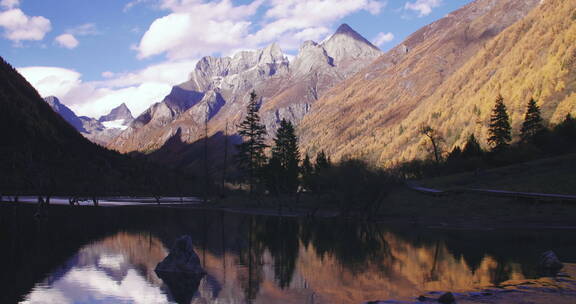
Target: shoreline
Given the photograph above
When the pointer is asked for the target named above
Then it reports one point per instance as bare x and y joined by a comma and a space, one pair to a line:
559, 289
417, 220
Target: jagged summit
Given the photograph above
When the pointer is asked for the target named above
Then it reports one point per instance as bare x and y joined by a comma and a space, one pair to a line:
346, 47
121, 112
65, 112
53, 101
100, 131
271, 54
219, 88
345, 30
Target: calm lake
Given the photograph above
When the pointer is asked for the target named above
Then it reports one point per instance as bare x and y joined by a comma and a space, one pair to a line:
108, 255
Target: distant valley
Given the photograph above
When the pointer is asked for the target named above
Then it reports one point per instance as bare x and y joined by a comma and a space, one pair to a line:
100, 131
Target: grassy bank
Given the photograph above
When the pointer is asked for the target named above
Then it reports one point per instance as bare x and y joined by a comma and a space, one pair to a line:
550, 175
405, 206
402, 205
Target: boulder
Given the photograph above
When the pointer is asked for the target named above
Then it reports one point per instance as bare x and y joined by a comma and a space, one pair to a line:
447, 298
181, 270
182, 258
423, 299
549, 263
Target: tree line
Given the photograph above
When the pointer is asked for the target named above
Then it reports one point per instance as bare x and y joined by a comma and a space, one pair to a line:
349, 184
536, 140
283, 172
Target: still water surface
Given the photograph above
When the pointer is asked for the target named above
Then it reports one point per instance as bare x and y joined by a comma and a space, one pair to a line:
108, 255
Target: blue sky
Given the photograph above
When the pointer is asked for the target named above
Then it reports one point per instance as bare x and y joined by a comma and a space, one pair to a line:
95, 55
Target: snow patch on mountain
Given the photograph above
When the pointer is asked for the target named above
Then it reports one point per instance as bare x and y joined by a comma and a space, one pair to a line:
115, 124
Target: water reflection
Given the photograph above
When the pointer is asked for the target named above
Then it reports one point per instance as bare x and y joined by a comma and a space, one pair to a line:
118, 269
256, 259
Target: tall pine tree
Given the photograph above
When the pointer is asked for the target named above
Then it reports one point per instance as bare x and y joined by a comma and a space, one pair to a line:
532, 124
500, 130
322, 161
472, 148
250, 157
286, 158
307, 173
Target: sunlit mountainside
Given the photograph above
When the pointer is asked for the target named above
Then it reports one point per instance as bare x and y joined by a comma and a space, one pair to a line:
448, 75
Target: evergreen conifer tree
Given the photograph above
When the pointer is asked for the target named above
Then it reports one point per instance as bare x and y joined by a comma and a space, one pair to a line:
567, 128
307, 171
455, 154
250, 157
322, 162
472, 148
532, 124
286, 157
500, 130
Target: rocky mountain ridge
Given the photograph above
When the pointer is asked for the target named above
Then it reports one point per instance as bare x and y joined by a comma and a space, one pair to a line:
121, 113
219, 89
100, 131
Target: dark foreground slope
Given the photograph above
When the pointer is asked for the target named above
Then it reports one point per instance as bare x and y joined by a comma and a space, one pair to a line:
40, 153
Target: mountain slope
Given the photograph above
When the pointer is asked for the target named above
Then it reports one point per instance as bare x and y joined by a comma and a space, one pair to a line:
376, 113
219, 89
535, 57
41, 153
38, 145
65, 112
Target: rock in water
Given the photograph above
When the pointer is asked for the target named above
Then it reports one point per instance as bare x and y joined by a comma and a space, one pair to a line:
423, 299
549, 263
182, 258
181, 270
447, 298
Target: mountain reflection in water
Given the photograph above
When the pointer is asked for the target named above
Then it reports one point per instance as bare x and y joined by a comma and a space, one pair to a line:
258, 259
117, 269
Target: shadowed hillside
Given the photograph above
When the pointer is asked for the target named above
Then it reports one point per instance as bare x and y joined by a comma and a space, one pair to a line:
42, 154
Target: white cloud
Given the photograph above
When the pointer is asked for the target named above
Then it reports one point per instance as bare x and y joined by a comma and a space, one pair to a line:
423, 7
171, 72
133, 3
289, 19
374, 7
139, 90
51, 81
96, 101
18, 26
84, 30
67, 40
9, 4
319, 11
382, 38
108, 74
184, 36
196, 28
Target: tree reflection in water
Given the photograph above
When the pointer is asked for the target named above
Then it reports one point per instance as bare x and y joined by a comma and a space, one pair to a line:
266, 259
